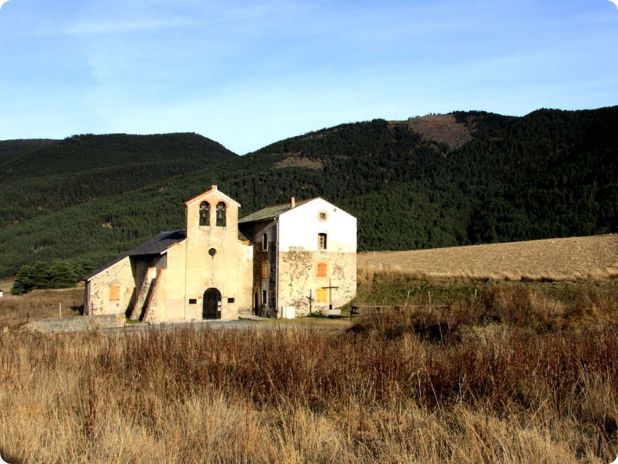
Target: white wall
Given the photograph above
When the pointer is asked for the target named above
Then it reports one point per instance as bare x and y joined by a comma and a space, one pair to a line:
299, 228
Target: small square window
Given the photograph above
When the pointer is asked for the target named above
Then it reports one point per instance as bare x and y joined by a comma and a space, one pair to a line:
231, 300
192, 300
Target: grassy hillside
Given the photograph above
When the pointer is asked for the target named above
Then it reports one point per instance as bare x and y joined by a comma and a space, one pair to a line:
427, 182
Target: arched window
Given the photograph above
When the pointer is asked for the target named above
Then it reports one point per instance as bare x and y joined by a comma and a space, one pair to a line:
221, 214
205, 214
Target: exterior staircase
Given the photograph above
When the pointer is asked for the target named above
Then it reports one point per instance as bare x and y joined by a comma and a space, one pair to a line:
143, 296
155, 284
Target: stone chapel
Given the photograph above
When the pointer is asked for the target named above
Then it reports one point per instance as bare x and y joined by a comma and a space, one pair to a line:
282, 261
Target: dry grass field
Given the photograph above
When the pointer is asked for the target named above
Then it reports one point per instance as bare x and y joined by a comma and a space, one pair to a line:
509, 376
553, 259
6, 283
39, 304
465, 371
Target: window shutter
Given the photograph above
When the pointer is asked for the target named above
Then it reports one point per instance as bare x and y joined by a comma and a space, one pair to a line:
322, 270
114, 293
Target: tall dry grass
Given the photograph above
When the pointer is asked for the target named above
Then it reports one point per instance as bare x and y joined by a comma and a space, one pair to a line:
388, 390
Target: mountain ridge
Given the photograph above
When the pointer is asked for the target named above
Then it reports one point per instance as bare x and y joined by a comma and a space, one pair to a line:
549, 173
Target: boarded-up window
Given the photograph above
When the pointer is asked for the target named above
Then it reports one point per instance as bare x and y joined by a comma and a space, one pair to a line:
322, 242
264, 271
321, 295
322, 270
114, 293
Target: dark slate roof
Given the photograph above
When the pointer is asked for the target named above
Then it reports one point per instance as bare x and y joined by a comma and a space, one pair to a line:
270, 212
154, 246
159, 243
242, 237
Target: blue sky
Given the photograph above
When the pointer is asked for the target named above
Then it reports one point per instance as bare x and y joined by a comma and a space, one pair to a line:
248, 73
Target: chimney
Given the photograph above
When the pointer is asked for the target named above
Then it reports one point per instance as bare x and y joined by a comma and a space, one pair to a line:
213, 187
292, 202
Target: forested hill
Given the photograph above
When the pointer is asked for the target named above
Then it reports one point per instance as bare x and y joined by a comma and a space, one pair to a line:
17, 147
40, 177
548, 174
439, 180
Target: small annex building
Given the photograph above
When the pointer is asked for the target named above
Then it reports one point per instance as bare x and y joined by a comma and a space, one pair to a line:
281, 261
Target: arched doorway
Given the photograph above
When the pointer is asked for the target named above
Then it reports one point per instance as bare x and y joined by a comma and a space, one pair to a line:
212, 304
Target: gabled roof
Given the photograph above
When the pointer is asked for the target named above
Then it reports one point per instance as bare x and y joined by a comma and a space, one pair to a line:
271, 212
155, 246
159, 243
117, 259
213, 191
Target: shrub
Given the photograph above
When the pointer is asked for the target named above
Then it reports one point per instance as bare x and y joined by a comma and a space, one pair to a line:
58, 274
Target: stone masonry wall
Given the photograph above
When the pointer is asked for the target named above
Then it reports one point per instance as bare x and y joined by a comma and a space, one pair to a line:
101, 296
298, 278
